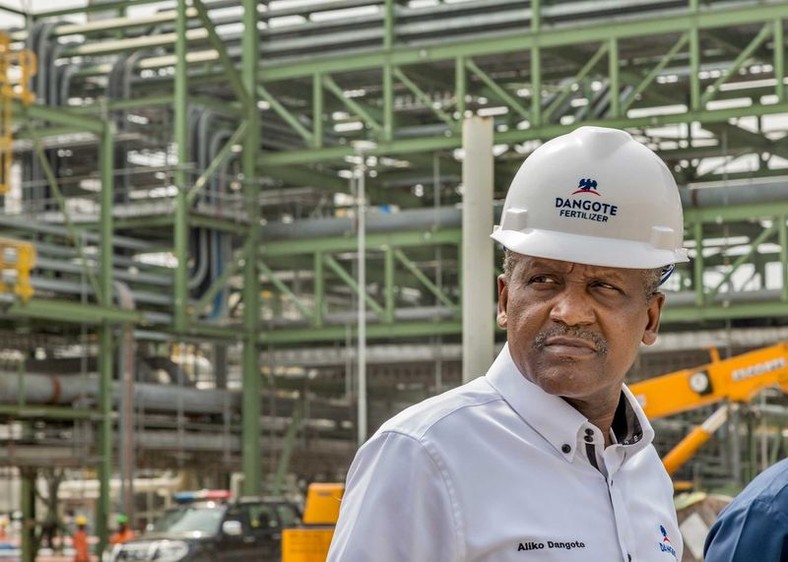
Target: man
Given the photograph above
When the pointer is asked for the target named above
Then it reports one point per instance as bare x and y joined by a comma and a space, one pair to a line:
123, 532
548, 456
754, 526
80, 540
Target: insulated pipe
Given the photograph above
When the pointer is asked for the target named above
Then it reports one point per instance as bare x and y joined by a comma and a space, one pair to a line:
23, 223
775, 191
735, 193
40, 389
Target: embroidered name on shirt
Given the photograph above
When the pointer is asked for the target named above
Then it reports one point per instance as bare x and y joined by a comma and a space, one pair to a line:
539, 545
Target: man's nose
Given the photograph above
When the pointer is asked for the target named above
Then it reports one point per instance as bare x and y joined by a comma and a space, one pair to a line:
573, 307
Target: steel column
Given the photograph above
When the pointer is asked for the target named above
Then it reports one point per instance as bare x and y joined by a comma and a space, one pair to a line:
252, 450
478, 273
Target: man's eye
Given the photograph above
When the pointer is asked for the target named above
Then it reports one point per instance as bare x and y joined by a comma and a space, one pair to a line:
542, 279
606, 286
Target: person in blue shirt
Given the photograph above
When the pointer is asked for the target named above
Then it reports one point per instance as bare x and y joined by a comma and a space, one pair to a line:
754, 526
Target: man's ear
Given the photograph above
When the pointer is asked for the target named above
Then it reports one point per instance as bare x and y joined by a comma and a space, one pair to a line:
654, 312
503, 297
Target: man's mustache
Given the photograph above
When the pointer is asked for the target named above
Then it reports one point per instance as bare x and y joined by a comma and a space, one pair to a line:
600, 343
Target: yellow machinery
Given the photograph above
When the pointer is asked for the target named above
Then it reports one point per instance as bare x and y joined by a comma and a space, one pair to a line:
17, 258
16, 68
310, 542
735, 380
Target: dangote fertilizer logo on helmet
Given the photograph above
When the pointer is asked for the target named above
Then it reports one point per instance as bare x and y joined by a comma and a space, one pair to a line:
581, 208
586, 185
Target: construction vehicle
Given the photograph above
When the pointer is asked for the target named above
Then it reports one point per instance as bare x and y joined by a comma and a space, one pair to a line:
736, 380
310, 541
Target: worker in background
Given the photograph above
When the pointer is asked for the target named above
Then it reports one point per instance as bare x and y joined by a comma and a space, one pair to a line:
80, 540
754, 526
548, 456
123, 533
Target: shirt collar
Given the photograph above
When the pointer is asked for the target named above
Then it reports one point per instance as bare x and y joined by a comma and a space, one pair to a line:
554, 419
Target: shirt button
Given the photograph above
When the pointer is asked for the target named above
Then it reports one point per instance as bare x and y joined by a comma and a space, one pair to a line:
589, 431
589, 438
566, 448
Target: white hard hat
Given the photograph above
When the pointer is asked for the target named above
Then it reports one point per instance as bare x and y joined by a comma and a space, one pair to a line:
598, 197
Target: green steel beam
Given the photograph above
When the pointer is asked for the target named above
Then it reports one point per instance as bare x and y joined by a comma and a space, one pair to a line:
286, 116
743, 212
220, 158
107, 330
460, 86
89, 8
123, 105
782, 221
55, 187
339, 333
352, 105
727, 311
288, 445
377, 240
444, 143
105, 438
71, 312
12, 10
581, 74
733, 68
507, 98
285, 290
424, 280
652, 75
60, 116
250, 371
181, 137
614, 63
677, 22
217, 285
334, 266
227, 64
671, 314
389, 284
50, 412
228, 224
318, 290
389, 117
779, 59
742, 259
302, 176
318, 102
453, 124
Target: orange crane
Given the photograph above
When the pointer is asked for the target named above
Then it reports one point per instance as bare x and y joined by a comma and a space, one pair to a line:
735, 380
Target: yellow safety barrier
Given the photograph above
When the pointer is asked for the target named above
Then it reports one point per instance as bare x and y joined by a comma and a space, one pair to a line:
16, 69
17, 259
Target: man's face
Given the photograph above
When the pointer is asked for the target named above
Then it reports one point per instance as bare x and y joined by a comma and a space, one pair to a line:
575, 329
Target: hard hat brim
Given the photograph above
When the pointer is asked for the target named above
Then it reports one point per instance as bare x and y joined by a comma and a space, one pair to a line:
587, 250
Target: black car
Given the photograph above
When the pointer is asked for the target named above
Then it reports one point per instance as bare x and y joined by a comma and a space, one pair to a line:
243, 530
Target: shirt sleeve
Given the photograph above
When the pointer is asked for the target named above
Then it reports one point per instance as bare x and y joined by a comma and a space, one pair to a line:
397, 506
752, 532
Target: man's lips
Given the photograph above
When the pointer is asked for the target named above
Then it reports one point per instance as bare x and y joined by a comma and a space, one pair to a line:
566, 345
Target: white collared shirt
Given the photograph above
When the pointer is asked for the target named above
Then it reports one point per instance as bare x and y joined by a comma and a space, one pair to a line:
499, 470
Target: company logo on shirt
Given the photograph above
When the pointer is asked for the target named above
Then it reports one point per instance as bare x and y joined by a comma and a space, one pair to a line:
549, 545
665, 545
578, 205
